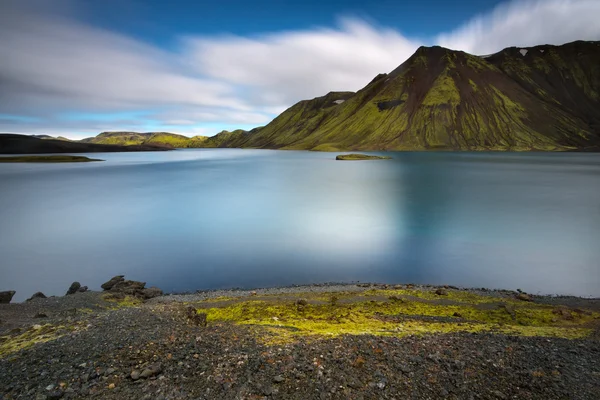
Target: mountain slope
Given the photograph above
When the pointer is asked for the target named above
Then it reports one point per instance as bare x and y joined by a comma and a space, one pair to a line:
23, 144
538, 98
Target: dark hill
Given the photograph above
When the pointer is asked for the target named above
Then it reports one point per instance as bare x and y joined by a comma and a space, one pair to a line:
22, 144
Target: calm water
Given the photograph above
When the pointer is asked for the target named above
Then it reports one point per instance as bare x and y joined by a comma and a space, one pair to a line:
201, 219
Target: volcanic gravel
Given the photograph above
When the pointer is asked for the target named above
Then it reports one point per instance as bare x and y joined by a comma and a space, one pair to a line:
153, 352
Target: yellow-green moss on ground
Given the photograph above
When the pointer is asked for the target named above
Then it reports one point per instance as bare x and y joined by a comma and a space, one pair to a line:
127, 301
36, 334
400, 313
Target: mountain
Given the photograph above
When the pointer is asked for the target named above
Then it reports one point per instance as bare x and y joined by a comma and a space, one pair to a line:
51, 137
534, 98
169, 139
23, 144
147, 138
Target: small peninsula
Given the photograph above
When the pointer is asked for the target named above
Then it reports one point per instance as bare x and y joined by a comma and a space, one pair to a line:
46, 159
356, 157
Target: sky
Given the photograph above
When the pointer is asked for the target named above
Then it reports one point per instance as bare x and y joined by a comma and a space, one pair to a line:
75, 68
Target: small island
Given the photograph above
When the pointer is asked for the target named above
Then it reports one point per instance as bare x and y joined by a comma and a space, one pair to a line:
354, 157
46, 159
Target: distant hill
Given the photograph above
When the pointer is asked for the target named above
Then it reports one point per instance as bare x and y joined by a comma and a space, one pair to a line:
147, 138
535, 98
167, 139
51, 137
23, 144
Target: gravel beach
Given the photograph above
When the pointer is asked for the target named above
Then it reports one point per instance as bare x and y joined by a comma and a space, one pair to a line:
88, 345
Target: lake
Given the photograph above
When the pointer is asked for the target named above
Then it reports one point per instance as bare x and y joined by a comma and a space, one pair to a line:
222, 218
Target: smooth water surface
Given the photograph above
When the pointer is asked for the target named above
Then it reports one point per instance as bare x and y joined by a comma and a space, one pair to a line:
202, 219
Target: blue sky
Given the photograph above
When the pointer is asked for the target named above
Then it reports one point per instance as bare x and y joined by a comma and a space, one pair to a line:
424, 18
78, 67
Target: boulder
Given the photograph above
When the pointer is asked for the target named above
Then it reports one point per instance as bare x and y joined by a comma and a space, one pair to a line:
524, 297
124, 286
118, 287
37, 295
152, 292
151, 371
6, 296
73, 288
441, 292
82, 289
112, 282
197, 318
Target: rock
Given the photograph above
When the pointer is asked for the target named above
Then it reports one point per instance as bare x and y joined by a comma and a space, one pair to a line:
6, 297
523, 297
40, 315
457, 314
196, 317
253, 293
73, 288
112, 282
499, 395
135, 374
55, 395
267, 390
82, 289
152, 292
564, 313
37, 295
152, 370
278, 379
128, 286
301, 302
441, 292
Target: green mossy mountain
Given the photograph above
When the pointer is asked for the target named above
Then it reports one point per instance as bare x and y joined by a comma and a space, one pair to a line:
536, 98
148, 138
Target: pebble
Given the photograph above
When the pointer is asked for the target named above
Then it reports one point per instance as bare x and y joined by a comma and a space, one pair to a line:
55, 395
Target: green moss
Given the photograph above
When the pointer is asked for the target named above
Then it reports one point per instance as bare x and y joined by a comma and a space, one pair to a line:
504, 101
443, 91
397, 313
478, 63
473, 85
31, 336
120, 302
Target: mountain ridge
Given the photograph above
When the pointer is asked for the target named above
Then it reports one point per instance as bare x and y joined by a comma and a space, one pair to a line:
537, 98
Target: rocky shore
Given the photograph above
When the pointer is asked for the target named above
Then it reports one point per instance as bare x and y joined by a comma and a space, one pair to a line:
362, 341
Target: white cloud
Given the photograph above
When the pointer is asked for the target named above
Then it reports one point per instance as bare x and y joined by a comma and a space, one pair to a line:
53, 64
527, 23
286, 67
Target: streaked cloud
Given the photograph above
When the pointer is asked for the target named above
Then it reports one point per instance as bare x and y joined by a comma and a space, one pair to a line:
527, 23
55, 65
